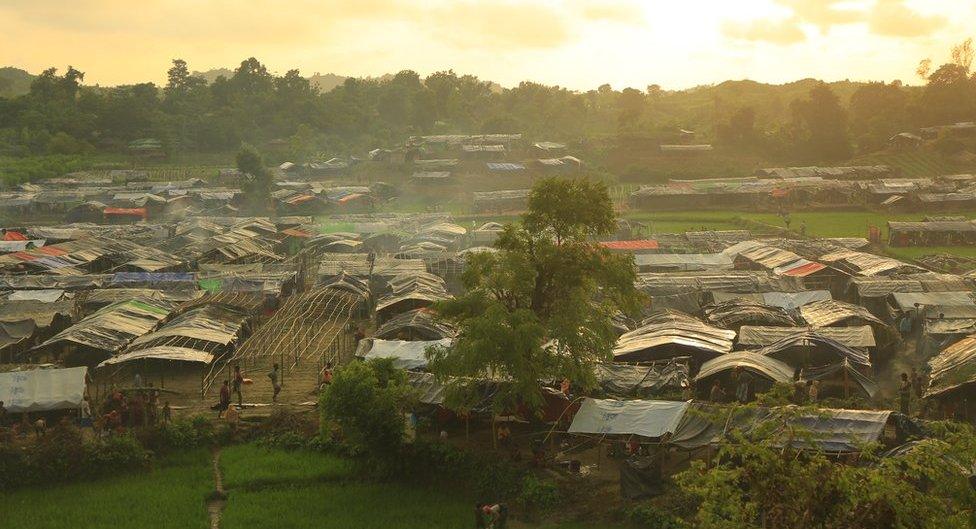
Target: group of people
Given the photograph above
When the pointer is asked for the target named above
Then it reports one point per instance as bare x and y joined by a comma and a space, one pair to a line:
745, 390
121, 410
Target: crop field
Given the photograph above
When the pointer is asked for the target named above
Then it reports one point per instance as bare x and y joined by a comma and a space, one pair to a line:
266, 489
171, 496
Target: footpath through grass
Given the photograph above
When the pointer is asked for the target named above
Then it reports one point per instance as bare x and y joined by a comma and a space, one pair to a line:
171, 496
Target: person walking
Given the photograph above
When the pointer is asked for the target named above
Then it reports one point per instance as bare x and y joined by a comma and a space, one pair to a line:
275, 385
905, 394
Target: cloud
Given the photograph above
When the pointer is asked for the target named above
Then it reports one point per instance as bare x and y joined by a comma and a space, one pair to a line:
499, 25
892, 18
782, 32
619, 11
888, 18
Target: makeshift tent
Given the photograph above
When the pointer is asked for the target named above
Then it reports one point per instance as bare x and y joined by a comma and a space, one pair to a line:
765, 366
814, 349
622, 380
953, 369
162, 352
419, 324
840, 379
405, 355
784, 300
646, 418
670, 334
735, 313
760, 336
829, 430
38, 390
114, 326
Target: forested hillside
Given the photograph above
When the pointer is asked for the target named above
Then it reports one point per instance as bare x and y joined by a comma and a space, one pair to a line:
806, 121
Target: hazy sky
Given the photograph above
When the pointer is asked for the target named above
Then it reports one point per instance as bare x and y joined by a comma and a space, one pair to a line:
574, 43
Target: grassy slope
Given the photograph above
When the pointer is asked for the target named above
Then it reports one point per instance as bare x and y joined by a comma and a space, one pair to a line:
170, 497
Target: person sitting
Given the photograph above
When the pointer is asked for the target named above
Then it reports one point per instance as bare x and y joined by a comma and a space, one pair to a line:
232, 417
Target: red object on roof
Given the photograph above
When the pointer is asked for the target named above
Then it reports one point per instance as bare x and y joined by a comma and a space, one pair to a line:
804, 270
640, 244
51, 250
350, 197
24, 256
133, 212
14, 236
300, 199
295, 232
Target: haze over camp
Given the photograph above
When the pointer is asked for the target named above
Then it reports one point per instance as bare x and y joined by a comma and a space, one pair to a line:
547, 264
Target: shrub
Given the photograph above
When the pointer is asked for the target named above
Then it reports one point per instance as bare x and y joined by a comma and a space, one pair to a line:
653, 517
538, 496
62, 455
182, 433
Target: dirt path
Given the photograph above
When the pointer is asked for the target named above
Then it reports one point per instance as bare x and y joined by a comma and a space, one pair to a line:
218, 498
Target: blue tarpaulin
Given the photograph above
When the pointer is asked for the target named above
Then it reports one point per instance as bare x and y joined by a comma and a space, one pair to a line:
153, 277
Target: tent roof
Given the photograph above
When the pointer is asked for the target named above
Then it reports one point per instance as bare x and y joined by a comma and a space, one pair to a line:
43, 389
760, 364
647, 418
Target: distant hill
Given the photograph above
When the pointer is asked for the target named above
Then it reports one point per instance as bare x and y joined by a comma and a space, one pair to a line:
326, 82
213, 74
14, 81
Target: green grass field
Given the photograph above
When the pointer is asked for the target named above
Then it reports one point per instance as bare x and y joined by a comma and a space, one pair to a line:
266, 489
171, 496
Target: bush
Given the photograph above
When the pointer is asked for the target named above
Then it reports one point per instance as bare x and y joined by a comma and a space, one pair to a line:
62, 455
652, 517
538, 496
182, 433
482, 473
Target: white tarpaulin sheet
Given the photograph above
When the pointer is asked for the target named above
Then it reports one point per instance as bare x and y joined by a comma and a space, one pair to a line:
647, 418
42, 389
47, 296
405, 355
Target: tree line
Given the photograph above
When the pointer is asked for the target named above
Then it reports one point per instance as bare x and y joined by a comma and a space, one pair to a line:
804, 121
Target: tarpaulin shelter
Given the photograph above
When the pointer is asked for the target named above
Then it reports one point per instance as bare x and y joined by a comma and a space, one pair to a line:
840, 379
405, 354
736, 312
161, 352
652, 419
113, 327
671, 334
38, 390
761, 336
827, 430
835, 313
811, 348
418, 324
783, 300
766, 367
953, 370
623, 380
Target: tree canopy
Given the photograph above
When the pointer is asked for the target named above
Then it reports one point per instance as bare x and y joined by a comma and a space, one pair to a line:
541, 307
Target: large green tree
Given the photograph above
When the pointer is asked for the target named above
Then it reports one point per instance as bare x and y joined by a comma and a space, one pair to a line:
540, 307
257, 179
820, 126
